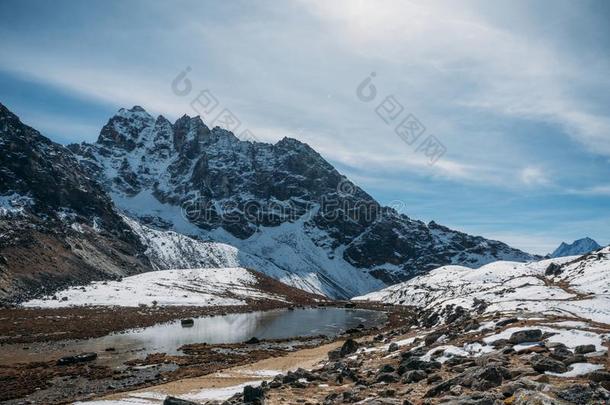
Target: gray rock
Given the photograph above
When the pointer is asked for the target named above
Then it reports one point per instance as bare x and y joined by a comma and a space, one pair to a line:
432, 337
524, 336
456, 390
486, 377
177, 401
79, 358
526, 397
254, 395
349, 347
387, 378
392, 348
434, 377
577, 358
417, 364
584, 349
387, 368
475, 399
584, 395
505, 322
414, 376
599, 376
561, 353
542, 364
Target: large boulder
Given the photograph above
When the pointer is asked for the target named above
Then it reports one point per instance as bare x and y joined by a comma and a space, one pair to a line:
525, 336
254, 395
543, 364
349, 347
584, 349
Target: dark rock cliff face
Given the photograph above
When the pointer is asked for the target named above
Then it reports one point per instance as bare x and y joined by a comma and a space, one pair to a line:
57, 225
271, 200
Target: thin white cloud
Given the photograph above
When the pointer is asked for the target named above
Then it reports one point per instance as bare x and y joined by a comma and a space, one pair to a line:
505, 72
534, 176
599, 190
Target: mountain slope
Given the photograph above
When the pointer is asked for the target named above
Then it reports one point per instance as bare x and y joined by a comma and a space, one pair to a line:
57, 226
282, 203
191, 287
578, 247
576, 286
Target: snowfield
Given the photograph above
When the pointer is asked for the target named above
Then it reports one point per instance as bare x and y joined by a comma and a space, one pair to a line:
580, 288
282, 252
192, 287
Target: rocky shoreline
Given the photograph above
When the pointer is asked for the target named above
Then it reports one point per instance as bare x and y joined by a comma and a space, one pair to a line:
469, 362
62, 380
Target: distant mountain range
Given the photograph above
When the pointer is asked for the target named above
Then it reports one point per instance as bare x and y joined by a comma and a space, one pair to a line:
151, 194
578, 247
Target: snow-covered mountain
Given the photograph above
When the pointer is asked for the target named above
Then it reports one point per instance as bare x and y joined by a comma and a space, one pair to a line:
578, 247
282, 204
57, 225
575, 286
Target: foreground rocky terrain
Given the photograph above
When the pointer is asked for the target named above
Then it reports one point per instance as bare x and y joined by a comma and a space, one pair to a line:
507, 361
506, 333
470, 360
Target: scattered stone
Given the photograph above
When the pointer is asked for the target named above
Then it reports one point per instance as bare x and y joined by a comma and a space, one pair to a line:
432, 337
456, 390
417, 364
543, 364
577, 358
187, 323
393, 347
252, 341
584, 394
177, 401
486, 377
350, 346
561, 353
505, 322
387, 368
414, 376
525, 336
526, 397
553, 269
542, 378
254, 395
387, 378
79, 358
599, 376
434, 377
584, 349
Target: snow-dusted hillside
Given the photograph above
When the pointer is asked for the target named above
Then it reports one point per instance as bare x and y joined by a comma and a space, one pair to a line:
319, 275
569, 286
191, 287
282, 203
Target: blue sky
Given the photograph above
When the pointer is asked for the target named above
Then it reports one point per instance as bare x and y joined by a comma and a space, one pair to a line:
517, 92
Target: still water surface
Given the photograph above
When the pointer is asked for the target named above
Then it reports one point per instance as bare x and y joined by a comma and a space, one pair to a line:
231, 328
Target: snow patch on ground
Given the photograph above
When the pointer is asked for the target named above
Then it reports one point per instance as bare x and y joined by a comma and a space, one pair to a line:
577, 369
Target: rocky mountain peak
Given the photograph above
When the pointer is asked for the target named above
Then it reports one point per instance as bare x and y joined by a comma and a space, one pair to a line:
282, 202
578, 247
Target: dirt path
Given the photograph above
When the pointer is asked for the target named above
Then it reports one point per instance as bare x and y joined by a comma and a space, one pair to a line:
231, 377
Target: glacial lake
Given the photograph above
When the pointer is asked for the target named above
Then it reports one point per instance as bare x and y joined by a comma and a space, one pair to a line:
168, 337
